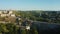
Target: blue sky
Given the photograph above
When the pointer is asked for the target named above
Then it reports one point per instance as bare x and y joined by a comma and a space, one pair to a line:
30, 4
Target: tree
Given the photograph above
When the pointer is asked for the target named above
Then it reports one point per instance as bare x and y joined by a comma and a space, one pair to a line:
3, 28
23, 31
34, 30
12, 28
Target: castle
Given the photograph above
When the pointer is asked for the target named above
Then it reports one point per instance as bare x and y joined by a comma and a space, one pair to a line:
4, 13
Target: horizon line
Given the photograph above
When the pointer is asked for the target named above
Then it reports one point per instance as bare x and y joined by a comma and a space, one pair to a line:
29, 10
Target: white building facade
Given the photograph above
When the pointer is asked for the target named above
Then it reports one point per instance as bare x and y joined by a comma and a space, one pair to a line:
6, 13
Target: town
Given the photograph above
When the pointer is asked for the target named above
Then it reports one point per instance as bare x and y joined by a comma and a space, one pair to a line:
29, 16
24, 22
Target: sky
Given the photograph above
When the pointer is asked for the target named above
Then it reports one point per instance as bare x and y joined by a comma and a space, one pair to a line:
30, 4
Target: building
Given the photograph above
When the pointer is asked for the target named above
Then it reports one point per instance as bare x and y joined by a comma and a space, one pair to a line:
4, 13
28, 27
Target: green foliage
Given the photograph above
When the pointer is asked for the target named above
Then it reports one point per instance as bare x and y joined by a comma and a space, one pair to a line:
34, 30
23, 31
11, 28
3, 28
44, 16
8, 28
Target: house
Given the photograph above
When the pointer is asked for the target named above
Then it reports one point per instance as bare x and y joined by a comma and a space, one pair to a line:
0, 12
10, 12
28, 27
13, 15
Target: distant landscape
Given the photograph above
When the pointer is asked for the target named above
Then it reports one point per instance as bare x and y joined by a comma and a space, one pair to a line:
29, 16
29, 22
